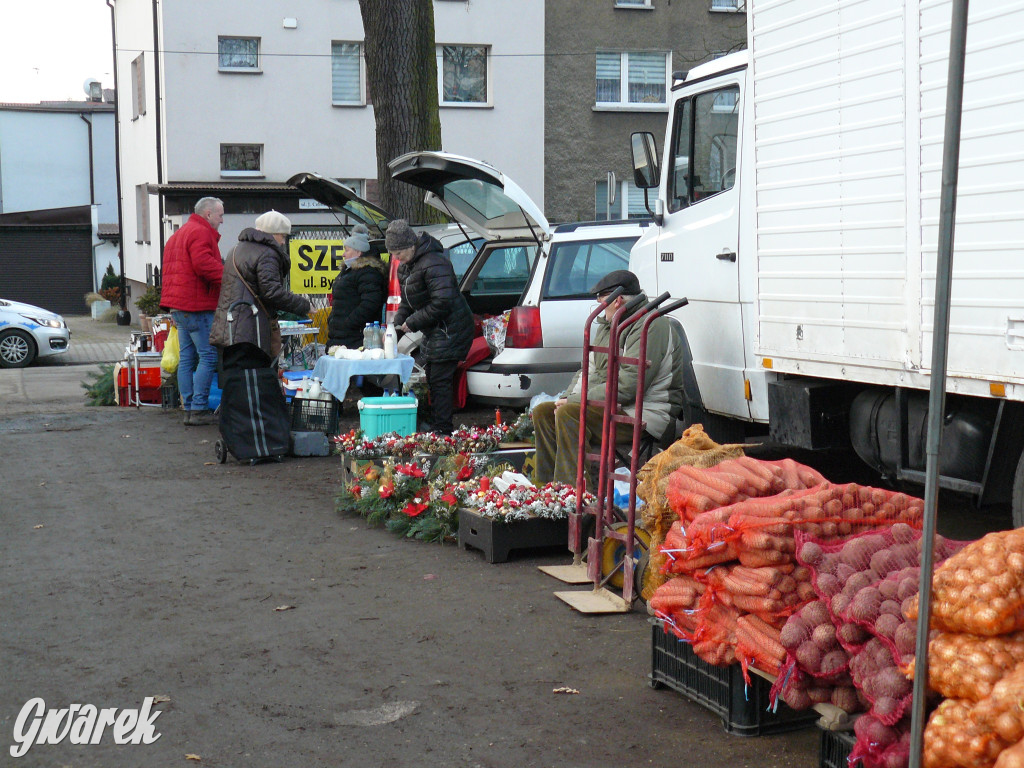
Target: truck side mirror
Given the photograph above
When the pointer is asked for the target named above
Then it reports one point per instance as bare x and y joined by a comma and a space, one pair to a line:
646, 173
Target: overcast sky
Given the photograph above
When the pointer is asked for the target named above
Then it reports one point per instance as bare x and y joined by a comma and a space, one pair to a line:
49, 48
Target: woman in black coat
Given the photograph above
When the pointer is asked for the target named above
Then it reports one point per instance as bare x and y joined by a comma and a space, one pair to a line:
256, 270
433, 305
358, 293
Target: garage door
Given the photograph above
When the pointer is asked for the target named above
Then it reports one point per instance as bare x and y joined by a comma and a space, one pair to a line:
49, 266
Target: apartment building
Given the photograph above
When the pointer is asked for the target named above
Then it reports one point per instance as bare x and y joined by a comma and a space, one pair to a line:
610, 76
232, 98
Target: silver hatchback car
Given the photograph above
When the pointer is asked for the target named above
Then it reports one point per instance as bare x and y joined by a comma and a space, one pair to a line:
28, 332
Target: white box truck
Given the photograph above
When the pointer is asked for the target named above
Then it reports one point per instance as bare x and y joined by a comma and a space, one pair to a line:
797, 208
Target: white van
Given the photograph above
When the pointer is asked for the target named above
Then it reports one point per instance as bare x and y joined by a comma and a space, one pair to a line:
797, 208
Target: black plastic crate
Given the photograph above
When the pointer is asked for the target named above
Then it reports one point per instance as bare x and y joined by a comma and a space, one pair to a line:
169, 395
745, 710
496, 538
836, 747
315, 415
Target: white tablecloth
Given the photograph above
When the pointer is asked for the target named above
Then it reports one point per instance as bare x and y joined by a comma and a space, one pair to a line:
335, 373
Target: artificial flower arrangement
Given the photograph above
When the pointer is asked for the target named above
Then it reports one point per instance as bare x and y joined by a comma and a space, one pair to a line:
463, 440
553, 501
422, 502
411, 501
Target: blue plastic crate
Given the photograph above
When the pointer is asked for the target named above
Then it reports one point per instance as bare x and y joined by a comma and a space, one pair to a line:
381, 415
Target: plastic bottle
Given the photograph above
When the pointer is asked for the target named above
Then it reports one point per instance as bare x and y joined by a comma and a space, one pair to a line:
368, 336
304, 386
378, 336
390, 342
315, 391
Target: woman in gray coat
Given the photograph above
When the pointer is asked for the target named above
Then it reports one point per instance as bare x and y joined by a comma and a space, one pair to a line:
256, 271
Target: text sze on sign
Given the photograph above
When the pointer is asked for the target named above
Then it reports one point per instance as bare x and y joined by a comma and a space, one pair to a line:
315, 264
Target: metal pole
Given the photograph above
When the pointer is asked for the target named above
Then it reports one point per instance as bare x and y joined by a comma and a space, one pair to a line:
940, 343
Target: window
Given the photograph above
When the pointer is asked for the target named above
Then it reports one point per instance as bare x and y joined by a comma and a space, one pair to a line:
141, 213
138, 87
238, 54
575, 268
347, 74
629, 202
705, 130
463, 73
633, 4
462, 255
634, 80
730, 6
241, 159
505, 272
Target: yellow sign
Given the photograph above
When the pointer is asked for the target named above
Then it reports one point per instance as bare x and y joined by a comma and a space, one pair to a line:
315, 264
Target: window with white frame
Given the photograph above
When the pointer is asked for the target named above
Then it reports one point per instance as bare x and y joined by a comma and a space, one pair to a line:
462, 71
633, 3
347, 74
730, 6
241, 159
628, 203
141, 213
138, 86
238, 54
632, 79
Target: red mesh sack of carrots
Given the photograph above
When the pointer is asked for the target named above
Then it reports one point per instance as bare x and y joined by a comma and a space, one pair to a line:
953, 738
757, 645
980, 590
964, 666
770, 592
682, 557
763, 529
675, 603
691, 490
715, 637
880, 745
1002, 711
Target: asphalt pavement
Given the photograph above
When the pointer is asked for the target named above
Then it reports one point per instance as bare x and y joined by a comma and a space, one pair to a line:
269, 630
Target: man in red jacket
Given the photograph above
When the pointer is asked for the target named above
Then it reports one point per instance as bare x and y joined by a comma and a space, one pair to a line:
191, 286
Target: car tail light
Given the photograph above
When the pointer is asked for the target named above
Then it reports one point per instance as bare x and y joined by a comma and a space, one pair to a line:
524, 328
394, 294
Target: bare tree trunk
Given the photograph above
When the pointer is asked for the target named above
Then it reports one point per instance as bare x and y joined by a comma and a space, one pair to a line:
401, 71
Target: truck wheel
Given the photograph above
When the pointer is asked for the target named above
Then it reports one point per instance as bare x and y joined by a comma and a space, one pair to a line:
1017, 500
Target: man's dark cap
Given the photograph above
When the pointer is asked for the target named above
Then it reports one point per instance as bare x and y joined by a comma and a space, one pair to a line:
623, 278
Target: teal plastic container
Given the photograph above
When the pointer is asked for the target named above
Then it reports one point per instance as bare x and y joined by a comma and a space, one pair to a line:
380, 415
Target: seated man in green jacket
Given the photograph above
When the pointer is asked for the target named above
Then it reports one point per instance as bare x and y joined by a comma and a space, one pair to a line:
557, 424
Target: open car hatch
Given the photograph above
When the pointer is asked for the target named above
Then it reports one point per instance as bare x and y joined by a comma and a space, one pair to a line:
340, 198
475, 194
